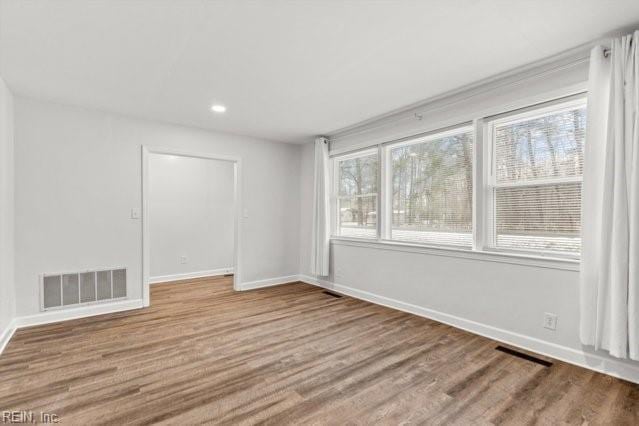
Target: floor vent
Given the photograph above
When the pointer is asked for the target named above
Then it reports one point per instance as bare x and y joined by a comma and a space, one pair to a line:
330, 293
71, 289
524, 356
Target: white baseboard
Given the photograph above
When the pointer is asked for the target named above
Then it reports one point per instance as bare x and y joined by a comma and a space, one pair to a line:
7, 333
64, 315
602, 364
269, 282
189, 275
79, 312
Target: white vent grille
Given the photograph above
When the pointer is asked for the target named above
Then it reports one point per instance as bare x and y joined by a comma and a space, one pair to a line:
71, 289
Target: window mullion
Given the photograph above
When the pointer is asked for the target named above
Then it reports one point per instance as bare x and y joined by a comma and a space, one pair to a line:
386, 192
479, 212
488, 189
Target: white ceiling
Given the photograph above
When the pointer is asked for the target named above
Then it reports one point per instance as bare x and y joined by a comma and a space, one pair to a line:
286, 70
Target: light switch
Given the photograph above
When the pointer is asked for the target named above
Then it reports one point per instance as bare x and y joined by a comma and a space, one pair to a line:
245, 213
135, 213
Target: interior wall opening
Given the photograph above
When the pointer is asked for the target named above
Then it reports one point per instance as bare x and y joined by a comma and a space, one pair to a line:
190, 217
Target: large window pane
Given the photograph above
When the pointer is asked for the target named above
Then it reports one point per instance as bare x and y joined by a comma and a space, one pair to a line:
433, 190
357, 196
538, 170
546, 218
542, 147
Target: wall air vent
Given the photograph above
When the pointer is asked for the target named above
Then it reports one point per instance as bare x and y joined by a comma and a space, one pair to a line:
71, 289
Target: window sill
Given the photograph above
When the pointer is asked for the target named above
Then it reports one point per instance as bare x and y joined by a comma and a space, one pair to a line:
539, 261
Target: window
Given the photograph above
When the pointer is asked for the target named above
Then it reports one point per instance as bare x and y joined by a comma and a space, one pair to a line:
536, 179
432, 189
356, 179
506, 183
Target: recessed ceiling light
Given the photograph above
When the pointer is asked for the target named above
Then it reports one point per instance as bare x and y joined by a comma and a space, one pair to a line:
218, 108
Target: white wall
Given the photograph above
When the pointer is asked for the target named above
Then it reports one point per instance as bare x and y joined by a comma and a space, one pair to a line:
191, 214
502, 300
78, 174
503, 295
7, 294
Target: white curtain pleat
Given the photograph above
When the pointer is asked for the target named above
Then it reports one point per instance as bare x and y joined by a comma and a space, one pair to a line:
610, 203
321, 211
632, 155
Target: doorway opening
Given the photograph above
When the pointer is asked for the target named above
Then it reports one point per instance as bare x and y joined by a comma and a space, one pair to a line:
191, 215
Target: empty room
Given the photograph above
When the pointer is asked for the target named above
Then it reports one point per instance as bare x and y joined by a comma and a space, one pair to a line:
319, 212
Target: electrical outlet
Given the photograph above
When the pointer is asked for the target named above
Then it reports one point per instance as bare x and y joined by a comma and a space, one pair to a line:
550, 321
184, 259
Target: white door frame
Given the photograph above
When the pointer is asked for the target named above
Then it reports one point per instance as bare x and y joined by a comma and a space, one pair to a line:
237, 178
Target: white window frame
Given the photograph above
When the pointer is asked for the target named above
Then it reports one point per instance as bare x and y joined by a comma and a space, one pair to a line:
490, 180
387, 182
335, 197
484, 184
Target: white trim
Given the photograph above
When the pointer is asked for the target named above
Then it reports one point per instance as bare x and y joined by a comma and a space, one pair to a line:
479, 196
531, 112
350, 197
364, 152
146, 255
189, 275
612, 367
269, 282
567, 264
385, 188
431, 136
146, 229
79, 312
486, 183
7, 334
538, 182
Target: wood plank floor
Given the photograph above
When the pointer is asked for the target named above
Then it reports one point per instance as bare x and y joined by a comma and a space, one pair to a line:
289, 355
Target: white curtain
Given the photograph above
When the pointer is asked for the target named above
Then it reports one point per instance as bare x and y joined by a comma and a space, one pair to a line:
609, 299
321, 211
